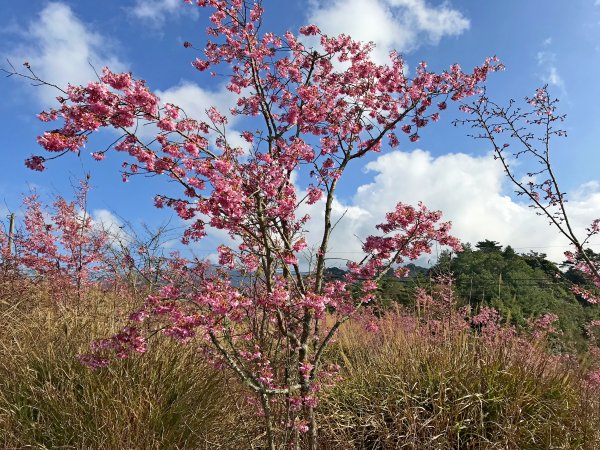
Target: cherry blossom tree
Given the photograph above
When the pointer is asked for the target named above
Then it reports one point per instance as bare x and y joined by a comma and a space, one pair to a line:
521, 137
313, 111
59, 245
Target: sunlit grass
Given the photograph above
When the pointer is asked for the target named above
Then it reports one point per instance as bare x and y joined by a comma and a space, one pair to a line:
168, 398
400, 387
403, 388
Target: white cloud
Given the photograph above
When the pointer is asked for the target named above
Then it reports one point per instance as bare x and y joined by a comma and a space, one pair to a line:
435, 22
195, 100
157, 11
554, 78
391, 24
60, 48
105, 220
546, 61
470, 191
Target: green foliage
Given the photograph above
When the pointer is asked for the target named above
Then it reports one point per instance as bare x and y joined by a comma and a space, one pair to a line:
488, 246
520, 287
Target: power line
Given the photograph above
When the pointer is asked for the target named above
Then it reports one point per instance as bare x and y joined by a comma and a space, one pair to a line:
514, 248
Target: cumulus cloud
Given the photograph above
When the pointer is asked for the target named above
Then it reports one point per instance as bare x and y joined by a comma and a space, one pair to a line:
391, 24
195, 100
105, 220
469, 190
60, 48
157, 11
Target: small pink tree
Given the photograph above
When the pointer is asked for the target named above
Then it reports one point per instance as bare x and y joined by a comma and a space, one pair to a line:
59, 245
316, 110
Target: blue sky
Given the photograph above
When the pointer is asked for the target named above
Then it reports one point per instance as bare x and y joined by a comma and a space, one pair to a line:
551, 41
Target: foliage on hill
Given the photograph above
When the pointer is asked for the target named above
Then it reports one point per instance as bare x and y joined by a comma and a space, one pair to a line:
519, 286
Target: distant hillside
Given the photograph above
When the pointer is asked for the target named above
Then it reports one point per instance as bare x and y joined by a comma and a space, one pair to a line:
413, 271
519, 286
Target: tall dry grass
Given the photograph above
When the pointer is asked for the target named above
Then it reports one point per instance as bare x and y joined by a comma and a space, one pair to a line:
407, 388
166, 399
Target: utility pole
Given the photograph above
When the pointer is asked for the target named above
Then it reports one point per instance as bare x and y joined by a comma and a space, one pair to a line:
499, 285
11, 233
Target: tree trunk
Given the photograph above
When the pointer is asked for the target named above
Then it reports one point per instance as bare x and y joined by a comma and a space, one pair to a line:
264, 398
